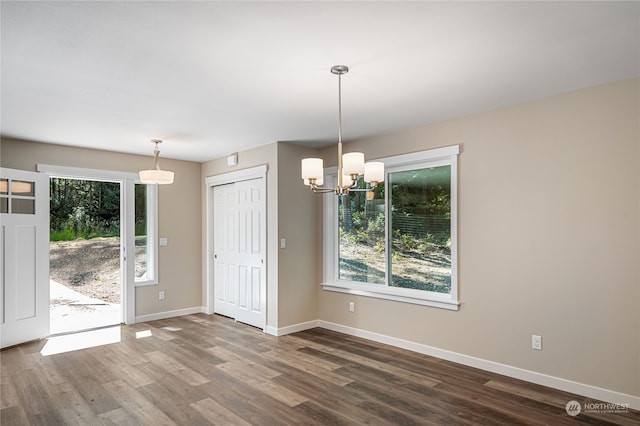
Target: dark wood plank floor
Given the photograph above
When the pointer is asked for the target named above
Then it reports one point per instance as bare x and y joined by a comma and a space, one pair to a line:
201, 369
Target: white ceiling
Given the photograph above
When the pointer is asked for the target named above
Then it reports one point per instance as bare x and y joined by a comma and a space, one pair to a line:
211, 78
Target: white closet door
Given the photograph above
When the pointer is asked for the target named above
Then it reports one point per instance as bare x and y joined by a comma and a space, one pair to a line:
251, 250
239, 250
24, 256
225, 261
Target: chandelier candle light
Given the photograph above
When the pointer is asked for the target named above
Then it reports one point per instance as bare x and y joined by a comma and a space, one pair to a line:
350, 165
155, 175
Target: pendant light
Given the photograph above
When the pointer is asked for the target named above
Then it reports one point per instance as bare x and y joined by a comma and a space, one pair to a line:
350, 165
155, 175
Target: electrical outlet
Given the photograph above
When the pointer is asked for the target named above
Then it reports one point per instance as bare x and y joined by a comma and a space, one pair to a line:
536, 342
352, 307
161, 295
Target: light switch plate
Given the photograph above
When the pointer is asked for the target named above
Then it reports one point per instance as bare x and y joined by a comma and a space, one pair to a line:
536, 342
164, 241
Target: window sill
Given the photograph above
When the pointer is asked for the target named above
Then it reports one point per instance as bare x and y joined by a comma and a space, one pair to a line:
415, 297
143, 283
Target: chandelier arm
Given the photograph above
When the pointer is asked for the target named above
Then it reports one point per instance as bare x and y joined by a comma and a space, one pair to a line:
345, 189
321, 190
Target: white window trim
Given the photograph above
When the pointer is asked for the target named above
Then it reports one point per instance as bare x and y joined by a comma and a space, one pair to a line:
82, 173
434, 157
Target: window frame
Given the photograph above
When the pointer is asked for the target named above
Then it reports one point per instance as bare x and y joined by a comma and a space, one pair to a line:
424, 159
151, 275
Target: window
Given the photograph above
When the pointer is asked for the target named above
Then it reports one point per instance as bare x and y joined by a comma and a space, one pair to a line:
17, 197
141, 232
397, 242
146, 230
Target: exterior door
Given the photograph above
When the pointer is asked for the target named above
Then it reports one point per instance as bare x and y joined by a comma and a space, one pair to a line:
239, 249
24, 256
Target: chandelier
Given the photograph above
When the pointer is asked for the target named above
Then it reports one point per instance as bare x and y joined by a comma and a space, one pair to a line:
350, 166
155, 175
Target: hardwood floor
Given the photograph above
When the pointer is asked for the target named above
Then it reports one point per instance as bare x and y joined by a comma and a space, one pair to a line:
201, 369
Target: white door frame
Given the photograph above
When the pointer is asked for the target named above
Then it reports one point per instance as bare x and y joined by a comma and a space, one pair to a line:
222, 179
127, 181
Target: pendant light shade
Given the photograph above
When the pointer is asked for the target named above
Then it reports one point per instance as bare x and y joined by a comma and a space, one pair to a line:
312, 168
159, 177
374, 172
353, 163
155, 175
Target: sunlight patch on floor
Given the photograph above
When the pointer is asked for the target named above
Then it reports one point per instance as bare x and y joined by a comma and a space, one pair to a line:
78, 341
143, 333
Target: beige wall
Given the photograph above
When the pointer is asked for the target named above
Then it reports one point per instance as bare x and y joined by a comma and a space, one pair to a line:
179, 215
301, 260
549, 233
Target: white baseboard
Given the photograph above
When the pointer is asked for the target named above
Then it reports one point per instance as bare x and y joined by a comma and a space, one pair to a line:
291, 328
171, 314
494, 367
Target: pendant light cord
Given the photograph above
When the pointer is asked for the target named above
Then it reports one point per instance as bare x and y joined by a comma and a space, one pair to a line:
339, 108
340, 183
156, 153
